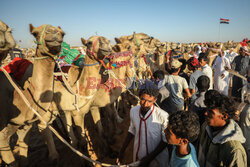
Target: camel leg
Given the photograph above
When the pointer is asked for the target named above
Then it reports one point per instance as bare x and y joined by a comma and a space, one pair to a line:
79, 122
97, 119
6, 152
23, 139
48, 138
69, 127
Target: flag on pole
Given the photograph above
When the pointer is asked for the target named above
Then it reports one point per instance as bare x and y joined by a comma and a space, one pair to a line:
224, 21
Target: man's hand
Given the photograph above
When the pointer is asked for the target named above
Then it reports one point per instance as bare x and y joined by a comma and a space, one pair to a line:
222, 76
120, 157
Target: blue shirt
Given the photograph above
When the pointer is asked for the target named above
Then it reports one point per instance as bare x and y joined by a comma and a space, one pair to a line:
189, 160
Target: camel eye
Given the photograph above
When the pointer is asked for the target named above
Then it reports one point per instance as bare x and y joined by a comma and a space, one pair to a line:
35, 34
89, 43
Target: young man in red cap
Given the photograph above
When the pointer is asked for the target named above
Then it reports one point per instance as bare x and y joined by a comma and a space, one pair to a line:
194, 65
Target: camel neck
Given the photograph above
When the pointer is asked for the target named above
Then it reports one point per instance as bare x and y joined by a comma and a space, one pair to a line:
42, 76
90, 77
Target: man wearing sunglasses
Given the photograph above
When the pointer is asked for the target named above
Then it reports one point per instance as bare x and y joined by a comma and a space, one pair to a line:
221, 137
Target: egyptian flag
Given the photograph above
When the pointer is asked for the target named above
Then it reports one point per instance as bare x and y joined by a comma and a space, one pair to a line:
224, 21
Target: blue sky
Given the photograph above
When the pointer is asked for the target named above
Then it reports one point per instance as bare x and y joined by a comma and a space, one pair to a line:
167, 20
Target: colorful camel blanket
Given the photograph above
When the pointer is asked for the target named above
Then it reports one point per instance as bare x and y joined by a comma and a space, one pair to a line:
17, 67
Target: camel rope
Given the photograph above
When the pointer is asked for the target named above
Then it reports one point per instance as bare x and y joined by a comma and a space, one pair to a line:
71, 90
55, 132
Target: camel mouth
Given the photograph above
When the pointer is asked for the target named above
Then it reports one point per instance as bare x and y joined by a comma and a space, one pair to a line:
53, 43
105, 52
55, 49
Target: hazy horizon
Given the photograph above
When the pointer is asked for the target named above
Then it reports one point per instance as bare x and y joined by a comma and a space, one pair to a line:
175, 21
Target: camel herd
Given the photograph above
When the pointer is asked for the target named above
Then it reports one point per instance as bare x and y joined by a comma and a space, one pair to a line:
86, 89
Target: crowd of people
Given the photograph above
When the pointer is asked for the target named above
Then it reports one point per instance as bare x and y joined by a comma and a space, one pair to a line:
198, 123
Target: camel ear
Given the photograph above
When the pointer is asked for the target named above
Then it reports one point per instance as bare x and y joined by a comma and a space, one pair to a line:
84, 42
116, 48
117, 40
31, 28
131, 37
59, 27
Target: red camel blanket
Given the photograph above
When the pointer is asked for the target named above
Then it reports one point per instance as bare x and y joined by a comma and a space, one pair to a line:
17, 67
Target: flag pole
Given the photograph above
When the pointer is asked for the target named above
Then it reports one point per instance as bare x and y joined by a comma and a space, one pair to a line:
219, 31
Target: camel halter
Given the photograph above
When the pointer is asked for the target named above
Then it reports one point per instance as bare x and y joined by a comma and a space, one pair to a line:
45, 49
136, 41
93, 54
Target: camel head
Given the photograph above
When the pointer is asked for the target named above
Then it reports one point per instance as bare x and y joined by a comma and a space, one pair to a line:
122, 47
7, 41
49, 38
137, 41
98, 47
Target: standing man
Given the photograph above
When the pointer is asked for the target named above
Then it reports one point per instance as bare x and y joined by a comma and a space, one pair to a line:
206, 69
147, 125
221, 76
221, 138
194, 66
241, 65
175, 85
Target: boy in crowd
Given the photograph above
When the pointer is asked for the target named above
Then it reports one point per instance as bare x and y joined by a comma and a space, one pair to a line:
194, 66
175, 85
183, 128
221, 137
206, 69
198, 105
147, 125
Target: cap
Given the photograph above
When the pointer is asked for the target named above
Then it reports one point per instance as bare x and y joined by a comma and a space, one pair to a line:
194, 62
175, 63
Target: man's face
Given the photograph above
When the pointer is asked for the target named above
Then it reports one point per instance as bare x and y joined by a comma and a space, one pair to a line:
202, 62
171, 137
242, 52
221, 53
214, 118
146, 102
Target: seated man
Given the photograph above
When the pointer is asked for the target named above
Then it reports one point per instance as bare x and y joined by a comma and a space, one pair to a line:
147, 125
221, 137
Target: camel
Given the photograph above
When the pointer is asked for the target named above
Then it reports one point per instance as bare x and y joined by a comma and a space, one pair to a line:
7, 41
143, 48
76, 99
15, 115
111, 94
106, 94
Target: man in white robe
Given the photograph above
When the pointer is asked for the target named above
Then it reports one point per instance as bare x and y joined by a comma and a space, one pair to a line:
147, 126
221, 76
